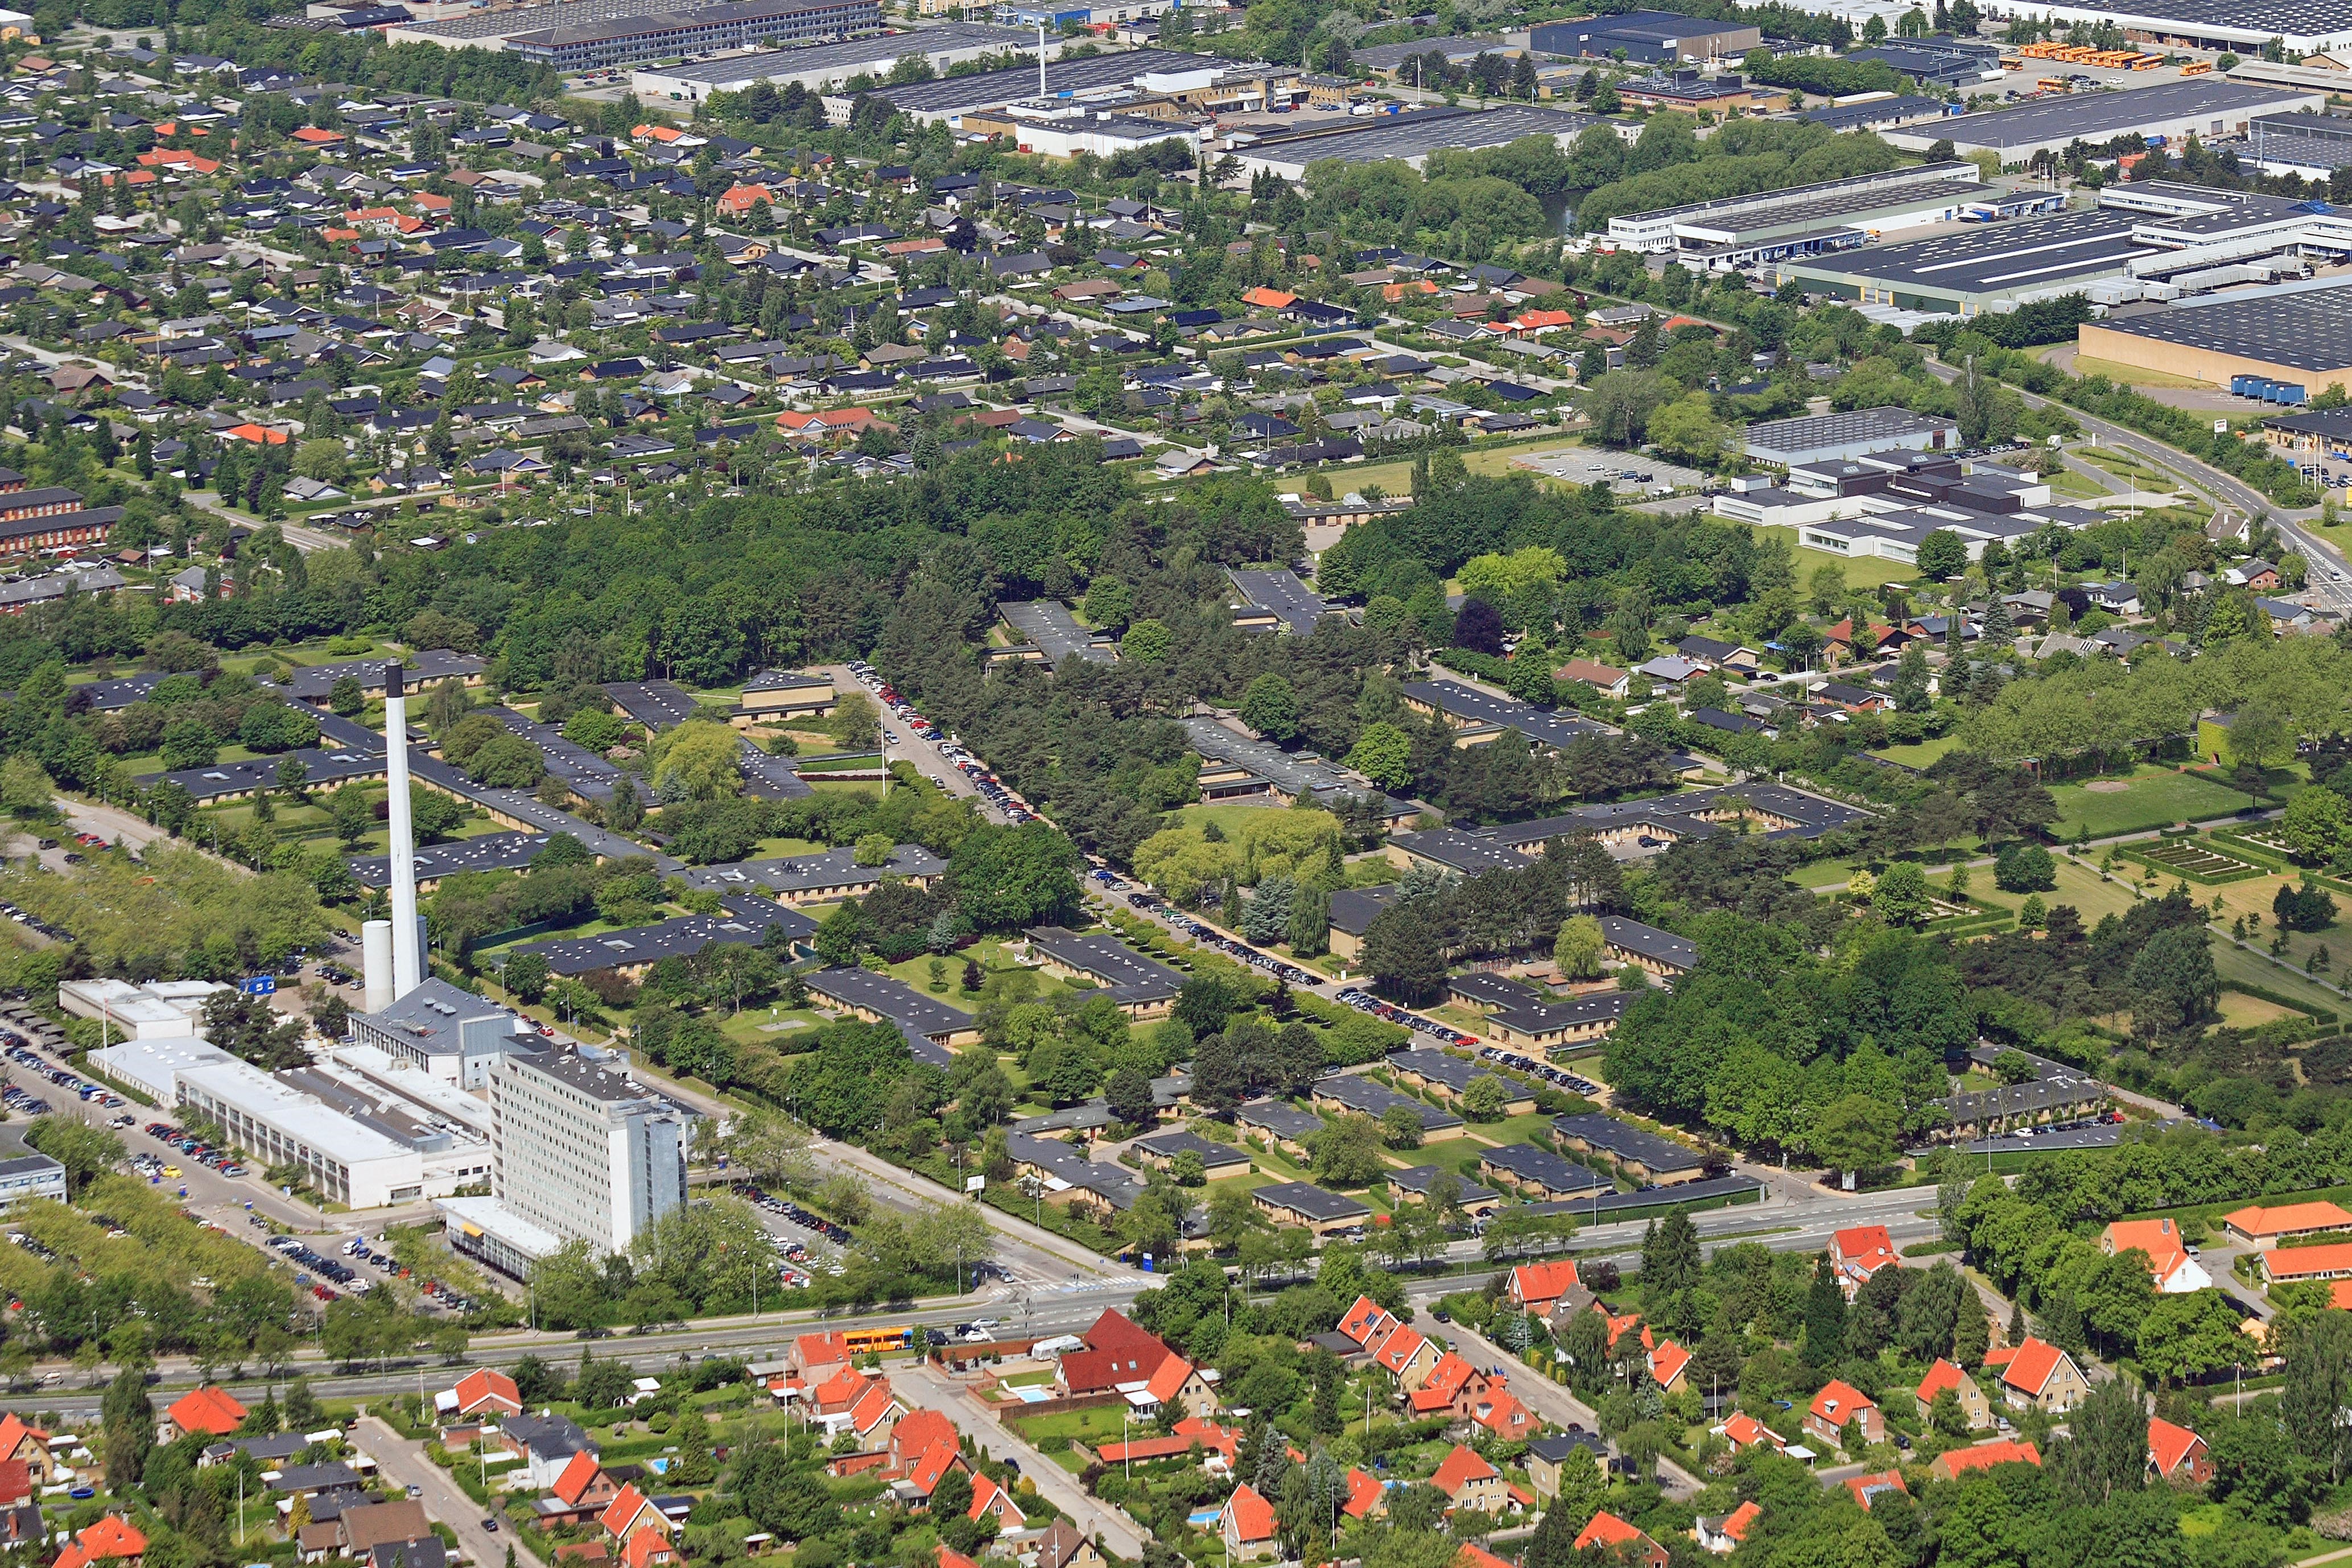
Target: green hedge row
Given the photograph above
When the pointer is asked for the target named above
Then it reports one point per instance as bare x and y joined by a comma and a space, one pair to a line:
2264, 854
2167, 868
2278, 999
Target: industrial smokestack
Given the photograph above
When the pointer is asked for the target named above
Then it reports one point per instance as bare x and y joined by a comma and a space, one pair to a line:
407, 967
375, 964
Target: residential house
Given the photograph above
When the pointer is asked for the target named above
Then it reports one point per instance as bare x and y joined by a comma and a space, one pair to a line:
1743, 1431
582, 1492
1120, 1356
1536, 1287
1404, 1353
629, 1511
112, 1539
1602, 678
2169, 1263
1610, 1533
209, 1411
29, 1446
1839, 1405
479, 1392
546, 1445
2037, 1372
1469, 1481
1869, 1487
359, 1530
1974, 1406
1547, 1454
1858, 1252
1955, 1463
1668, 1363
1246, 1521
2177, 1454
1723, 1534
2276, 1223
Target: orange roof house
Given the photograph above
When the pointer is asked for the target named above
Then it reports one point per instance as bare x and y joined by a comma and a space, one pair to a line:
1266, 299
649, 1548
1726, 1533
1944, 1374
656, 134
19, 1440
1839, 1403
1469, 1481
1536, 1287
1668, 1362
1742, 1430
208, 1410
313, 136
1448, 1381
1498, 1410
1366, 1496
1247, 1523
483, 1389
2040, 1372
1866, 1487
259, 434
1957, 1462
2177, 1454
2332, 1261
2257, 1222
16, 1484
2174, 1272
1858, 1252
427, 202
739, 199
1607, 1530
988, 1498
628, 1511
111, 1540
584, 1485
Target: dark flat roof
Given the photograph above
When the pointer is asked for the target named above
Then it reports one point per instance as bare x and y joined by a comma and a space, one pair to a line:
1626, 1141
1539, 725
1311, 1201
2099, 116
890, 996
2311, 331
1547, 1168
1127, 974
2022, 253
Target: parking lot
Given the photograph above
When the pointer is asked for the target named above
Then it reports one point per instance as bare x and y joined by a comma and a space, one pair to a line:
1627, 473
807, 1241
951, 764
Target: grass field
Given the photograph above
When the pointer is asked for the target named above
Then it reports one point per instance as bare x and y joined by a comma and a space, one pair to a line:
1859, 573
2152, 797
2244, 1012
1396, 478
2081, 487
1920, 753
2132, 375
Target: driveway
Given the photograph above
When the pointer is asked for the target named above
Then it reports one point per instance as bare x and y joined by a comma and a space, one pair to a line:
927, 1386
1550, 1400
404, 1464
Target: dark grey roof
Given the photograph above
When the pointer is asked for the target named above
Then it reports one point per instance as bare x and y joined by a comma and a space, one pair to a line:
1649, 942
551, 1436
1353, 910
1048, 623
1623, 1141
1358, 1093
890, 996
1126, 974
658, 705
490, 852
1542, 726
1547, 1167
1419, 1178
1554, 1447
314, 682
1182, 1140
1281, 591
1453, 1071
1280, 1118
2310, 331
744, 918
435, 1014
1459, 851
1311, 1201
819, 872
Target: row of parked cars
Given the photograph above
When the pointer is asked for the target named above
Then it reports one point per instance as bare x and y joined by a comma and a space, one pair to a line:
24, 1055
959, 756
32, 921
194, 1148
1365, 1002
1544, 1070
392, 1269
297, 1252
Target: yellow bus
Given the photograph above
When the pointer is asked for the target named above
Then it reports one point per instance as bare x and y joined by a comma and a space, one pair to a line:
873, 1342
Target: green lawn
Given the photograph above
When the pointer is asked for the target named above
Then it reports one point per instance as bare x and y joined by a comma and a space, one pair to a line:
1920, 753
1103, 1423
1866, 571
2152, 796
757, 1026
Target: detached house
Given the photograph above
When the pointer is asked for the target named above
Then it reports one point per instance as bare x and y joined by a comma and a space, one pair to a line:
1536, 1287
1857, 1253
1974, 1406
111, 1540
1951, 1465
1469, 1481
208, 1410
2174, 1272
1246, 1521
1403, 1353
29, 1446
2177, 1454
2036, 1373
480, 1392
1609, 1533
1838, 1404
1122, 1357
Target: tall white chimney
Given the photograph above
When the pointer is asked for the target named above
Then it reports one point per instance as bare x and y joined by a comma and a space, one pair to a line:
375, 964
407, 970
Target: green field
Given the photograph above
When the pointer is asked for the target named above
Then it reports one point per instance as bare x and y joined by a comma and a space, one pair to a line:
2152, 797
1919, 755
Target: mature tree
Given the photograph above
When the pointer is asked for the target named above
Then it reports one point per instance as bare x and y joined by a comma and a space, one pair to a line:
2173, 980
2106, 1450
1009, 878
87, 1153
1824, 1316
1578, 947
1901, 896
1270, 707
1346, 1151
1384, 753
1854, 1133
1942, 554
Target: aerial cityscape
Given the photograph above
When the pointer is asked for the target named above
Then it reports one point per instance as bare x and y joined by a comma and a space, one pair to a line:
903, 784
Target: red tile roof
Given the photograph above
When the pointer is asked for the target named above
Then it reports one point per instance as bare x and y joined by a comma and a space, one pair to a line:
2029, 1369
1445, 1380
2307, 1262
1668, 1363
1533, 1282
649, 1548
482, 1387
1608, 1529
623, 1511
1500, 1412
578, 1475
2170, 1446
1940, 1376
1840, 1402
1461, 1468
1745, 1515
2258, 1220
1985, 1455
1864, 1487
1364, 1493
1250, 1515
209, 1409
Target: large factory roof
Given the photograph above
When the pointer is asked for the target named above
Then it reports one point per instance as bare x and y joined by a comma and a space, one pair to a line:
2310, 330
2057, 120
1091, 73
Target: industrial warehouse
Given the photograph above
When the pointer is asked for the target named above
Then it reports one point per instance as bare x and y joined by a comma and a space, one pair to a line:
2147, 240
582, 34
2296, 335
1834, 215
819, 67
1409, 138
2203, 105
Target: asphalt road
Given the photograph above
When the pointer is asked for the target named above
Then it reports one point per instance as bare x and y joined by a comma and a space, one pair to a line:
937, 1391
404, 1463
